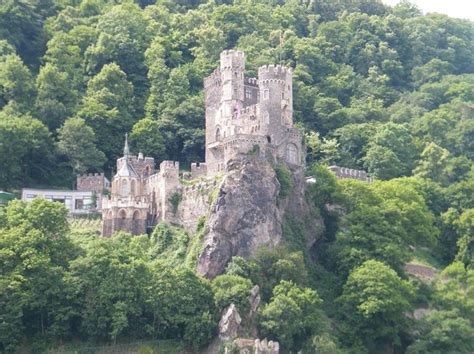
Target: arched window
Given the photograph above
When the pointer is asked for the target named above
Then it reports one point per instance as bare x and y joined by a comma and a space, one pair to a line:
292, 154
122, 214
136, 215
218, 134
132, 187
266, 94
124, 187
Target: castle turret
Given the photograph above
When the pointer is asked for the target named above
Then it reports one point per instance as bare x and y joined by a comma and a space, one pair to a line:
232, 75
276, 101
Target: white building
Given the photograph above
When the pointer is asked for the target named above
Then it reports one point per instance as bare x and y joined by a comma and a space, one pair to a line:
77, 202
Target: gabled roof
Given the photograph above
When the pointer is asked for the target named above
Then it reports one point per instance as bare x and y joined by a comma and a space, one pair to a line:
126, 170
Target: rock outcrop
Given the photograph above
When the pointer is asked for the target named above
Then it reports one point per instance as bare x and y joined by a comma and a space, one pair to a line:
229, 323
248, 213
244, 216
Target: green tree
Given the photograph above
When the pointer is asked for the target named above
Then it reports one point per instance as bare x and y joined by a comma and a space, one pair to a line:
146, 137
77, 142
292, 315
25, 149
36, 298
373, 305
455, 289
124, 35
16, 83
107, 108
465, 243
232, 289
443, 332
56, 98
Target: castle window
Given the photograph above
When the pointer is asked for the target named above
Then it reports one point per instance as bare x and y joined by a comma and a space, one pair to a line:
79, 204
136, 215
218, 134
266, 94
124, 187
282, 95
292, 154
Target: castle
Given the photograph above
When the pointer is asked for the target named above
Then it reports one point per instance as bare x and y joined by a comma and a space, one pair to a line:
243, 115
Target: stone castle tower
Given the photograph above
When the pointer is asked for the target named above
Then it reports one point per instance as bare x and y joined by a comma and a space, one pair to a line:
243, 115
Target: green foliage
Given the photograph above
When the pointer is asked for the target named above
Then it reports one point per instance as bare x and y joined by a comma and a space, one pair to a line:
174, 200
292, 315
273, 266
285, 179
34, 256
443, 332
169, 243
230, 289
77, 142
147, 138
373, 305
454, 290
196, 243
385, 89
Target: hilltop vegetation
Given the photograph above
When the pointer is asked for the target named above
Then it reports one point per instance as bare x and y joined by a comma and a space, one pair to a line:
380, 88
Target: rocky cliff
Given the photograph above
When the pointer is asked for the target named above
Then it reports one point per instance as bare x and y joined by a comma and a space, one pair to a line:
248, 214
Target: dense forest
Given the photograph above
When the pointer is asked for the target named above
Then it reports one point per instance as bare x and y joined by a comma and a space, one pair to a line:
384, 89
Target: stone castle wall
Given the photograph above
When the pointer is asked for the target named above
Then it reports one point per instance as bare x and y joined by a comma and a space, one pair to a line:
91, 182
195, 203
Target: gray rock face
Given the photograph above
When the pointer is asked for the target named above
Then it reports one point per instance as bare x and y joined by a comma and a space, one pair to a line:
254, 300
248, 214
244, 216
229, 323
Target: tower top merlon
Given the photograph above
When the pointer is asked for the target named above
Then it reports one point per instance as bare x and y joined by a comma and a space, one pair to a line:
278, 72
232, 59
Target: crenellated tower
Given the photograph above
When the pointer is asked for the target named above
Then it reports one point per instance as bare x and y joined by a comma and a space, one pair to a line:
276, 101
242, 113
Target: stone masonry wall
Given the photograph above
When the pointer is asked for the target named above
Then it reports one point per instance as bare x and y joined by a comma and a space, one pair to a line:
195, 202
91, 182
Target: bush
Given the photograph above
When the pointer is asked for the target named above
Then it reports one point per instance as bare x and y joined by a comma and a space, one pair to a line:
285, 180
230, 289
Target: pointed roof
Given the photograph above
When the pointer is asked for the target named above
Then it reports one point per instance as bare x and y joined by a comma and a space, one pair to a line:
126, 149
126, 170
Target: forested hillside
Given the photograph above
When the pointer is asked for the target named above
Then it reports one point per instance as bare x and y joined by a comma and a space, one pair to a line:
385, 89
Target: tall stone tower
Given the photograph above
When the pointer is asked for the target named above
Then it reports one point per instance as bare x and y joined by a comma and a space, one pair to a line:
242, 113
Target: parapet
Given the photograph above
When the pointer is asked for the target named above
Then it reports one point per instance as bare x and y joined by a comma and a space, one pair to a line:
252, 81
274, 72
169, 165
198, 169
343, 172
232, 59
92, 182
214, 79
